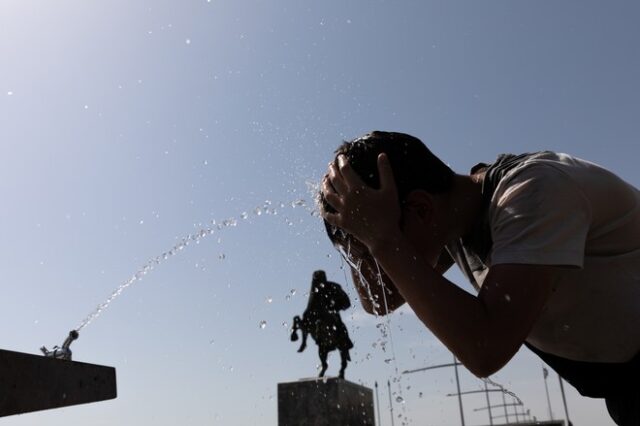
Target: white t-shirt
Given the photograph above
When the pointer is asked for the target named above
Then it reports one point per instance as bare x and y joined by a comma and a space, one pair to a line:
559, 210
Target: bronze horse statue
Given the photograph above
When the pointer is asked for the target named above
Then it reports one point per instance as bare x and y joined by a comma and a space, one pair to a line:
322, 321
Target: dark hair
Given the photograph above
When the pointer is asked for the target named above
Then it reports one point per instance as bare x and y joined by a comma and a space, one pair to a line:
414, 167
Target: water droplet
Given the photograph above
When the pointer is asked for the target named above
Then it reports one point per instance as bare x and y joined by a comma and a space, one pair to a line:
284, 324
287, 297
187, 41
86, 107
141, 222
293, 292
244, 215
222, 256
269, 299
400, 399
263, 324
420, 395
9, 93
388, 360
205, 162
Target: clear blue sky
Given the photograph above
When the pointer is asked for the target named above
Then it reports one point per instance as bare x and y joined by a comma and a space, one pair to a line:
125, 126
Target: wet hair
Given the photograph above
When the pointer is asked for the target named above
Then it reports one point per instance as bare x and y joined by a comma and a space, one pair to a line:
414, 168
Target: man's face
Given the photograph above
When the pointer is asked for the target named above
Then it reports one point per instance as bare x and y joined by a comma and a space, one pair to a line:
352, 247
422, 227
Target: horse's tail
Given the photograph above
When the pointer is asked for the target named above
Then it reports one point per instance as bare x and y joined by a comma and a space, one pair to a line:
294, 328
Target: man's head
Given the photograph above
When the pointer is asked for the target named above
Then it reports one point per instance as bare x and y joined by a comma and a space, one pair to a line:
414, 168
319, 276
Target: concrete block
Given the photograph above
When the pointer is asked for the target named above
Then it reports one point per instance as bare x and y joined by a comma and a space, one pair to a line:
329, 402
34, 382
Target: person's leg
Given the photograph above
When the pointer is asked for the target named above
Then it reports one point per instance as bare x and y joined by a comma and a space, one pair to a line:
344, 356
323, 353
624, 409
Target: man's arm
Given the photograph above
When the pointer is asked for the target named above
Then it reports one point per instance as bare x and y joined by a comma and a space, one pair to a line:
484, 332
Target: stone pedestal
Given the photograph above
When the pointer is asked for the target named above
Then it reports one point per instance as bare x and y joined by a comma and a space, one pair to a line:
328, 402
34, 382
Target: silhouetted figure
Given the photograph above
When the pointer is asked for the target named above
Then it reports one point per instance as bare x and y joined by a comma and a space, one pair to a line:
322, 320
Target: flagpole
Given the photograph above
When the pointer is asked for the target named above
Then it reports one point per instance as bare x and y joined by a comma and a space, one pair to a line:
545, 374
564, 401
486, 393
390, 402
504, 403
455, 367
378, 404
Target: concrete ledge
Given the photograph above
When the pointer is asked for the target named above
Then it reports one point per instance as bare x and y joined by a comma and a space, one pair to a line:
330, 402
34, 382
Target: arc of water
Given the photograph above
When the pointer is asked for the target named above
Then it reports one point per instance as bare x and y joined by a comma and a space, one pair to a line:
267, 208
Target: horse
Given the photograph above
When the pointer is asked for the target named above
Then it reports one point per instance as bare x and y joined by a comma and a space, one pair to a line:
322, 321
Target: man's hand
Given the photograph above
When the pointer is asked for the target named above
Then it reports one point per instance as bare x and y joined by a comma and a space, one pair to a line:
371, 215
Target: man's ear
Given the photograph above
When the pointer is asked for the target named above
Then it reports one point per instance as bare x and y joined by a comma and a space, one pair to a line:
420, 203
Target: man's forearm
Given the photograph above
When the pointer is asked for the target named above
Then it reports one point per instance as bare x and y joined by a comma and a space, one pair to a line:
459, 319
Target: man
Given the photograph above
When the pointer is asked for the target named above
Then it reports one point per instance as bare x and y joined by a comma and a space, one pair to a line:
551, 243
322, 320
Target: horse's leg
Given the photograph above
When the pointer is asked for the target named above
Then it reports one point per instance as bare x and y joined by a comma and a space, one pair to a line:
344, 356
305, 333
323, 352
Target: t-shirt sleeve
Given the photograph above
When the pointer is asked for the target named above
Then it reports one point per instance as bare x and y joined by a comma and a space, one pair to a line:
539, 216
